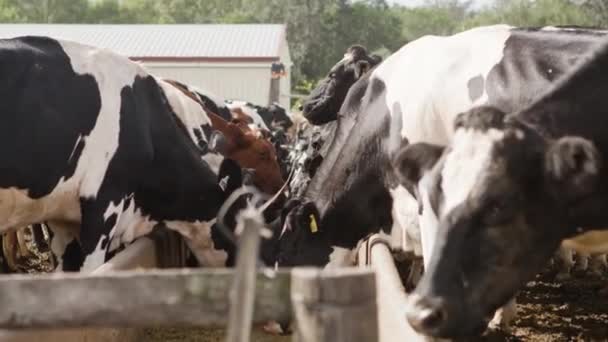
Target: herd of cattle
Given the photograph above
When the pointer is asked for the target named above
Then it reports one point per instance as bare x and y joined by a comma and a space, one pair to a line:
483, 150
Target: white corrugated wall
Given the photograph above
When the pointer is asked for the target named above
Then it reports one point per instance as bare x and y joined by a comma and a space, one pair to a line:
250, 82
238, 81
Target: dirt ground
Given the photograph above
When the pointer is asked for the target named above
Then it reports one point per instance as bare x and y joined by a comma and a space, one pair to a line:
568, 310
547, 309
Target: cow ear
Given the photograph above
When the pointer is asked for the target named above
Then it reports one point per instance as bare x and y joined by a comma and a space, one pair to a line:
217, 142
572, 166
412, 161
361, 67
376, 59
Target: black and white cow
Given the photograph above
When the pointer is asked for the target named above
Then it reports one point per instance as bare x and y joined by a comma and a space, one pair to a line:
267, 118
325, 101
322, 105
210, 101
507, 191
90, 143
414, 96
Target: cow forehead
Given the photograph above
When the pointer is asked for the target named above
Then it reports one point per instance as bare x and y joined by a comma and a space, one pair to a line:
467, 162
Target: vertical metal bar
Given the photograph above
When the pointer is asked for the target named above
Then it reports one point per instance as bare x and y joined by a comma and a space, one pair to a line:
249, 226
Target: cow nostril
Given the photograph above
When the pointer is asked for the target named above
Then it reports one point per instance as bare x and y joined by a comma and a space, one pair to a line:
431, 318
426, 317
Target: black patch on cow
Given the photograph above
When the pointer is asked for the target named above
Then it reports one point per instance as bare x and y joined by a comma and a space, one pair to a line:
73, 258
202, 144
198, 134
481, 118
104, 240
216, 108
223, 242
475, 85
207, 130
45, 108
111, 220
128, 202
350, 188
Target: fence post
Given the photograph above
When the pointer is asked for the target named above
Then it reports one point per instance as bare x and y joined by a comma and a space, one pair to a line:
242, 295
392, 299
334, 305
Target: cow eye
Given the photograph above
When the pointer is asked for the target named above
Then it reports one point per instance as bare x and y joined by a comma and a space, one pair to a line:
497, 211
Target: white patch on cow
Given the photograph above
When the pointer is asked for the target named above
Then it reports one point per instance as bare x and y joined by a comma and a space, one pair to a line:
429, 220
428, 79
405, 220
130, 223
95, 259
74, 148
470, 157
249, 111
348, 57
427, 82
218, 100
189, 112
341, 257
192, 115
101, 144
223, 183
63, 234
214, 161
198, 238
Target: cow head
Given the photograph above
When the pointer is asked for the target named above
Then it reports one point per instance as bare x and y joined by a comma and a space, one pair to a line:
324, 102
301, 242
501, 192
279, 117
251, 150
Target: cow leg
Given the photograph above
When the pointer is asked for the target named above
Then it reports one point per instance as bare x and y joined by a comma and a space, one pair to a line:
564, 263
582, 261
504, 316
598, 264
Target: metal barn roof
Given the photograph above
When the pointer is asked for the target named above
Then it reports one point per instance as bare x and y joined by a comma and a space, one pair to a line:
212, 42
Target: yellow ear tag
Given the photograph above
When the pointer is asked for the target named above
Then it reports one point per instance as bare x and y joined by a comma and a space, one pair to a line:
313, 224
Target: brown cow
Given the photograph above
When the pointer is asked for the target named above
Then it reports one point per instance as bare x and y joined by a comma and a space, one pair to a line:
247, 146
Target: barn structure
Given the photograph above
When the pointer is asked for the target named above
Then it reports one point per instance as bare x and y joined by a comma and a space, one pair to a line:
237, 61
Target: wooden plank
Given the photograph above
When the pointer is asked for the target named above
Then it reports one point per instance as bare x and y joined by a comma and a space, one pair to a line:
140, 254
242, 293
133, 299
391, 299
337, 305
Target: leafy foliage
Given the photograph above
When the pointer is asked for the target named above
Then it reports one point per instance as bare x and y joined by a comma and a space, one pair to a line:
319, 31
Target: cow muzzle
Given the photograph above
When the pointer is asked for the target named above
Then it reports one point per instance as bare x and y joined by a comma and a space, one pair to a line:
434, 316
